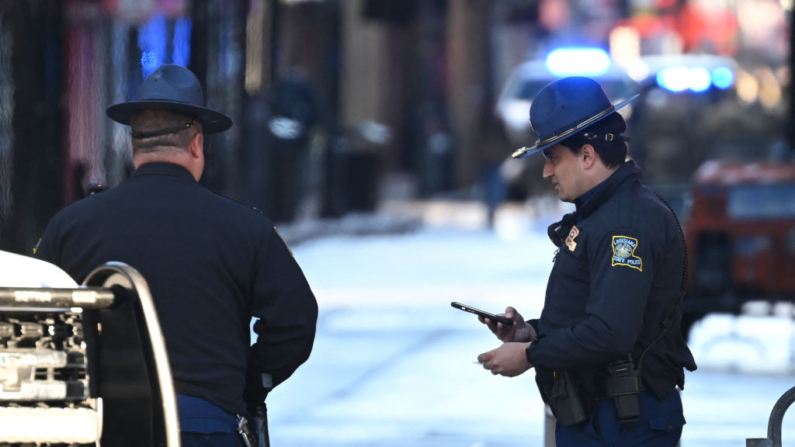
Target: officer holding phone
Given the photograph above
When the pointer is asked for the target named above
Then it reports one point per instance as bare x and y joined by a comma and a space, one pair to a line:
607, 349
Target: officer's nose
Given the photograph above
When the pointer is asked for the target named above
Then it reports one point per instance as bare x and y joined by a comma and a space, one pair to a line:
548, 171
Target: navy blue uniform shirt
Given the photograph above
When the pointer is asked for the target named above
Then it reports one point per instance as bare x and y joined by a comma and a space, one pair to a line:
617, 277
211, 264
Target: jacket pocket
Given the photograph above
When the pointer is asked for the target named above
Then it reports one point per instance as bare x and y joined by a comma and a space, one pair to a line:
574, 264
667, 423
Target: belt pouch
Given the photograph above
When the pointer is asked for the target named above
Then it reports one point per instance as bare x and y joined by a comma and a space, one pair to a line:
565, 401
623, 385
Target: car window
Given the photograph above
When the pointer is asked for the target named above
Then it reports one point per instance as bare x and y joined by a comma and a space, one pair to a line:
614, 88
617, 89
530, 89
762, 201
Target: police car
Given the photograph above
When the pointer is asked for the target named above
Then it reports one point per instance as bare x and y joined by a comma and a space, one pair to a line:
527, 79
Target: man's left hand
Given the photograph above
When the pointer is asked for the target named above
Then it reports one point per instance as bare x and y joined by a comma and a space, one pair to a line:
508, 360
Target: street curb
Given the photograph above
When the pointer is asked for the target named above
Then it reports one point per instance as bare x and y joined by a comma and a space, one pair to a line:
355, 224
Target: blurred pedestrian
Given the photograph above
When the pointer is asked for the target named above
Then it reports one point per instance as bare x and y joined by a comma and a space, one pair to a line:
211, 263
492, 151
607, 348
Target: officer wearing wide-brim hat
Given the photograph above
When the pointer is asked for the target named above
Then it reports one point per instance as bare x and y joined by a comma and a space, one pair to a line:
607, 348
211, 263
566, 107
174, 88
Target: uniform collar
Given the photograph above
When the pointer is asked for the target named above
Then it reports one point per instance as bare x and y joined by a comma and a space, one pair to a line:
590, 201
162, 168
585, 197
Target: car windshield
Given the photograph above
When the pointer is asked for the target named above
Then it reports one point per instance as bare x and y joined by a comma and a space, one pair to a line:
614, 88
530, 89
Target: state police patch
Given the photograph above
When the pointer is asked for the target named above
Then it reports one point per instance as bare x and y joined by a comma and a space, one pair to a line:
624, 252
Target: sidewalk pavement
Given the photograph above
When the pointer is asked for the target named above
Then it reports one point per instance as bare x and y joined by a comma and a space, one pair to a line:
405, 216
355, 224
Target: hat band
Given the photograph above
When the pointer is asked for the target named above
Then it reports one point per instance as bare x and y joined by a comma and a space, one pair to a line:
576, 128
166, 131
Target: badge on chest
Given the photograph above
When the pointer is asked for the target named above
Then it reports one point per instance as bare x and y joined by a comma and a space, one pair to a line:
570, 238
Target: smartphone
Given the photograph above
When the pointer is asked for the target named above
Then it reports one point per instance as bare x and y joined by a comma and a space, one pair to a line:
481, 313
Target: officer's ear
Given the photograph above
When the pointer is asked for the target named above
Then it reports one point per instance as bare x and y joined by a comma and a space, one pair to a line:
587, 156
196, 146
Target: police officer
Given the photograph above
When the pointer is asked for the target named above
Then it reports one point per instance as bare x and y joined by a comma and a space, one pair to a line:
211, 263
607, 348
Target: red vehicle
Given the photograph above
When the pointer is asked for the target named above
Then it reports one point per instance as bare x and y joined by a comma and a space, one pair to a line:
740, 236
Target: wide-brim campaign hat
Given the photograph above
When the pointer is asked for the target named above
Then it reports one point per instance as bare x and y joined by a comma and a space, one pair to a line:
565, 107
175, 88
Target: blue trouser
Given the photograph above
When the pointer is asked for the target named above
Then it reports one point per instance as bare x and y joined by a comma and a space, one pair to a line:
211, 439
660, 425
203, 424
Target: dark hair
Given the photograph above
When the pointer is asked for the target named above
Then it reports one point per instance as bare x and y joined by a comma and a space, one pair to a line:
612, 150
154, 120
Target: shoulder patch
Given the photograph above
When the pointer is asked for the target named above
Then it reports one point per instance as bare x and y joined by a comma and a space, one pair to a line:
624, 253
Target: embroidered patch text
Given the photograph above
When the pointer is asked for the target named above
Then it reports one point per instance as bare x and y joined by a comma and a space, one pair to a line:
624, 252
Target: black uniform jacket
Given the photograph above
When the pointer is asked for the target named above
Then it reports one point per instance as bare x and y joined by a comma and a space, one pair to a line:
211, 264
617, 277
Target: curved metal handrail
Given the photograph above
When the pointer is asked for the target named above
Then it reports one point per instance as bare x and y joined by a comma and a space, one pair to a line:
118, 273
57, 298
774, 423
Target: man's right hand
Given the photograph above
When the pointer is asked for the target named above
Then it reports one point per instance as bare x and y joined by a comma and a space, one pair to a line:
519, 331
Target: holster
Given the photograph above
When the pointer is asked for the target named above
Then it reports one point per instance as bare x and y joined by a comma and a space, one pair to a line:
258, 385
261, 427
562, 393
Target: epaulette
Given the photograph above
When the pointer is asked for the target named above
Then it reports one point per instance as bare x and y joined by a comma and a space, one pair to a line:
94, 188
258, 211
249, 207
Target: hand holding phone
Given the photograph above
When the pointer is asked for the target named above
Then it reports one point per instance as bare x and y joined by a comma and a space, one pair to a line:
472, 310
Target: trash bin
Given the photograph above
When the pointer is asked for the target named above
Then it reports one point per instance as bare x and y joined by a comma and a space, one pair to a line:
335, 162
353, 169
367, 141
433, 148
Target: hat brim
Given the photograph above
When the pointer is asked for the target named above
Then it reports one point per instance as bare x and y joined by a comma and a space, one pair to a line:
537, 147
212, 121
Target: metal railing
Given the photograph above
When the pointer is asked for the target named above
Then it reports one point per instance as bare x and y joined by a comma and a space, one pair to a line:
774, 423
53, 329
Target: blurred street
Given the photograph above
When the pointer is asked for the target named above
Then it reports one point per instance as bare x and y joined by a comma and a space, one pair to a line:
377, 135
393, 362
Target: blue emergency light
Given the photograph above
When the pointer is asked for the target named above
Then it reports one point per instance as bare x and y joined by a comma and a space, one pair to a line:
699, 80
695, 79
674, 79
578, 61
722, 77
